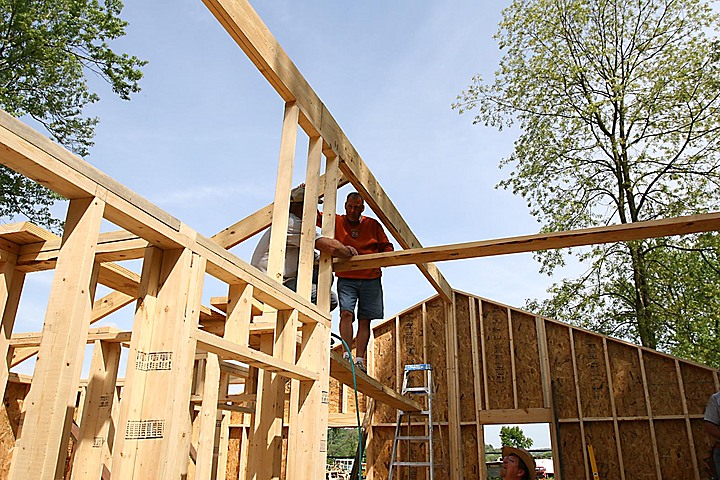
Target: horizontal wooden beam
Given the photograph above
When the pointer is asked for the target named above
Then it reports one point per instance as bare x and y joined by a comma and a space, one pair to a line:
228, 350
528, 415
106, 334
541, 241
341, 370
344, 420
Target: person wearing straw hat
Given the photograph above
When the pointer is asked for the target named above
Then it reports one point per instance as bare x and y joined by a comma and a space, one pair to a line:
517, 464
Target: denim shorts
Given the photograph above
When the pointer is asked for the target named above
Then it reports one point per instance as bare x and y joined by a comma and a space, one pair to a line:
367, 294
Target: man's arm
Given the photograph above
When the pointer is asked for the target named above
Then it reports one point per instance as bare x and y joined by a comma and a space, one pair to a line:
712, 430
334, 247
384, 244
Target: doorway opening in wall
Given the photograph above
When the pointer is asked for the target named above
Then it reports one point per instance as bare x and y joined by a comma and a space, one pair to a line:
533, 437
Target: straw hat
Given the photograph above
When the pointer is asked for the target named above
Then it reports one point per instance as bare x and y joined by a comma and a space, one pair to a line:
524, 456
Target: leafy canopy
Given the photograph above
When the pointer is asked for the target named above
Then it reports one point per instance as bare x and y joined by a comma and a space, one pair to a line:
617, 103
46, 49
514, 437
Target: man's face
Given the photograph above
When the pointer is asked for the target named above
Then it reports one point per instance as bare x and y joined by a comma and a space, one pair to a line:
353, 209
510, 469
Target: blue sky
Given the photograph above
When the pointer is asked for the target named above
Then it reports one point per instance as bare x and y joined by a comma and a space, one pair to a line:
202, 138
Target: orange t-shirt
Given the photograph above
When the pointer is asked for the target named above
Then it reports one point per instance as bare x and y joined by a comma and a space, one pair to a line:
367, 237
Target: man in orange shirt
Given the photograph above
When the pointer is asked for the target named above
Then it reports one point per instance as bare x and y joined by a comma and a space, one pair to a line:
360, 287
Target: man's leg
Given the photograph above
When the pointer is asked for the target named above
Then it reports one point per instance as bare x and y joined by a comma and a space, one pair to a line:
346, 327
363, 337
347, 289
370, 307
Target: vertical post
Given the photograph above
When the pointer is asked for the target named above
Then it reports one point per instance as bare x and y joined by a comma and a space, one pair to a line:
49, 406
11, 284
454, 434
92, 446
153, 435
208, 418
307, 436
265, 446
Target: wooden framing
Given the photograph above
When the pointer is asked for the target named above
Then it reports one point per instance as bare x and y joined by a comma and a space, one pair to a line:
492, 363
640, 409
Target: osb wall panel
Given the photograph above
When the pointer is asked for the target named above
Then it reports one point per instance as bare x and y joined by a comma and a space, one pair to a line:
497, 357
662, 384
384, 367
9, 422
442, 447
673, 449
469, 448
601, 435
437, 356
561, 369
635, 443
699, 386
592, 375
410, 328
527, 360
571, 450
382, 438
233, 459
465, 367
626, 380
335, 396
703, 446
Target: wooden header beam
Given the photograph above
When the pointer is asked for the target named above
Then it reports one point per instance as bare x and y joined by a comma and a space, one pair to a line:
248, 30
541, 241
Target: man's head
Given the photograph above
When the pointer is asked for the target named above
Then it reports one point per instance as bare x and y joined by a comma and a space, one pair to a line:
517, 464
297, 197
354, 206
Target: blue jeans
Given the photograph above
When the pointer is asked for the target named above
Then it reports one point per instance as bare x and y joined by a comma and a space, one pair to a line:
291, 283
367, 294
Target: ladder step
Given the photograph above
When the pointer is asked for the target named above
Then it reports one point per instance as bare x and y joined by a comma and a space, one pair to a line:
421, 413
415, 438
418, 366
416, 390
411, 464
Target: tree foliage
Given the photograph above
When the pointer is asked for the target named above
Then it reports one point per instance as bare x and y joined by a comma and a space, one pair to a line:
514, 437
617, 103
342, 442
46, 50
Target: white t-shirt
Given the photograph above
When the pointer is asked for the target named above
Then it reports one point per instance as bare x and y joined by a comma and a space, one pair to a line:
292, 248
712, 411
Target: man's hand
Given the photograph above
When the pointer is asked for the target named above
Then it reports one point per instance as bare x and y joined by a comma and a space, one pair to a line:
335, 248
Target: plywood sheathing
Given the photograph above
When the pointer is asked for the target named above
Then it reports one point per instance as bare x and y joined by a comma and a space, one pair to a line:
639, 409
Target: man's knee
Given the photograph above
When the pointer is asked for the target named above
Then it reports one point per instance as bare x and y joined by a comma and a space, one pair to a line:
346, 316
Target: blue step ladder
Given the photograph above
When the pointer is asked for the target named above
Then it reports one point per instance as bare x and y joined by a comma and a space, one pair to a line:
425, 416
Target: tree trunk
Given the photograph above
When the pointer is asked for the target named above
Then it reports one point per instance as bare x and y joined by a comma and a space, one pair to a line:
645, 321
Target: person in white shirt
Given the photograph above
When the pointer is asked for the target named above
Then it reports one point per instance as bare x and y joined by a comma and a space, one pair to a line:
292, 249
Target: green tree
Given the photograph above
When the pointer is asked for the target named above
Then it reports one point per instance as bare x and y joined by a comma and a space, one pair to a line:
617, 103
514, 437
342, 442
46, 49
